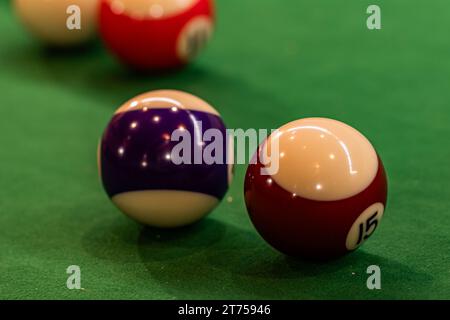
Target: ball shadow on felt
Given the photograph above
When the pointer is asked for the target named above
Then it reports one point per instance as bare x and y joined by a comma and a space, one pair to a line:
164, 245
122, 240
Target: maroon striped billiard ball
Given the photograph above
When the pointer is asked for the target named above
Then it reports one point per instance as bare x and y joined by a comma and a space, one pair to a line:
137, 164
328, 195
156, 34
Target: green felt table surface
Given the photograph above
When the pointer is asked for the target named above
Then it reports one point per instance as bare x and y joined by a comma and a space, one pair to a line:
270, 62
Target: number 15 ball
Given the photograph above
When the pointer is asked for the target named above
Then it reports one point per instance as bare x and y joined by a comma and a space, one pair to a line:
156, 34
327, 196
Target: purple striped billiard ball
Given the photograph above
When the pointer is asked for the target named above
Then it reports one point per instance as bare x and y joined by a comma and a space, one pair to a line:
137, 168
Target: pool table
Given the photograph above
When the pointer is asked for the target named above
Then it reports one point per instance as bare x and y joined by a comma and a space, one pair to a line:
270, 62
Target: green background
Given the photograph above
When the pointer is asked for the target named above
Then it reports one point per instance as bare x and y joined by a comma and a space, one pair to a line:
270, 62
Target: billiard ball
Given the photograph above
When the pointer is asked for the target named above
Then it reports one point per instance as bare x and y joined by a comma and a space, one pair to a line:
137, 167
53, 22
156, 34
316, 188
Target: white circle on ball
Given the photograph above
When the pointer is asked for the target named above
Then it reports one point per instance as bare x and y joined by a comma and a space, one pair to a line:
364, 226
194, 37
